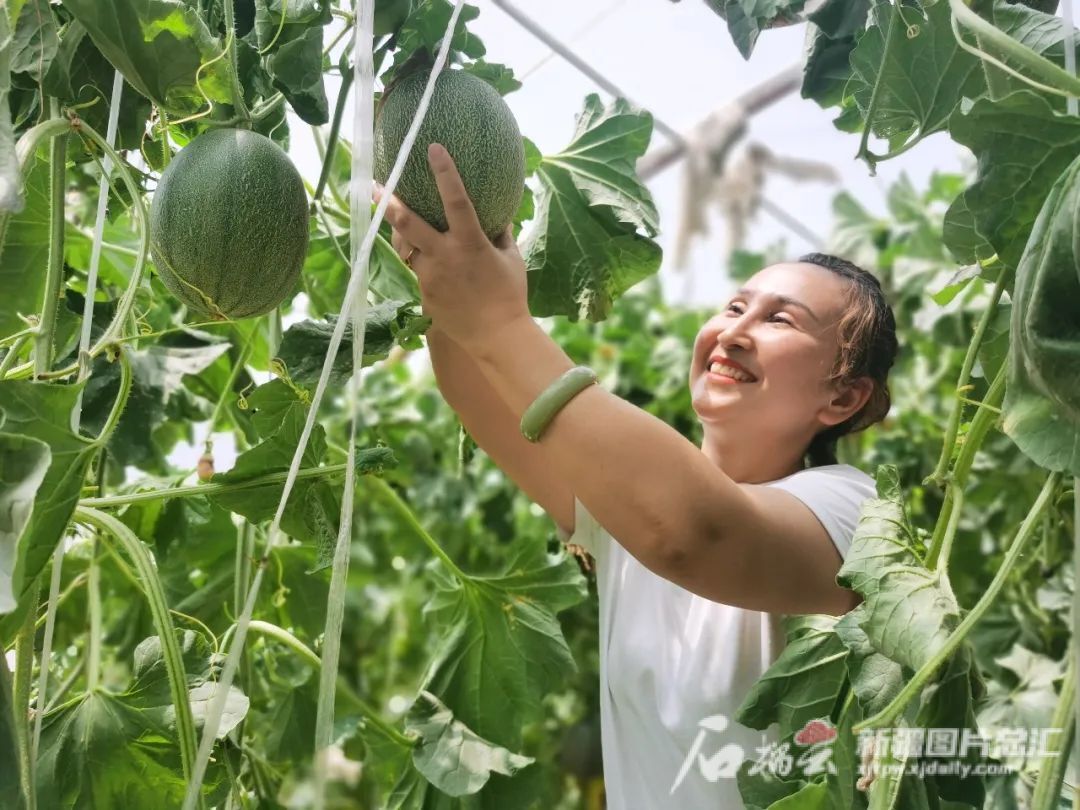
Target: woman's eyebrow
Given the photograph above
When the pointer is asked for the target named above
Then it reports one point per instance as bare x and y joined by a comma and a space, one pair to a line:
747, 293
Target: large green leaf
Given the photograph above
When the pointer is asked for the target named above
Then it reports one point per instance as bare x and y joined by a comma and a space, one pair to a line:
1041, 32
24, 462
746, 19
803, 682
10, 194
583, 250
1022, 146
158, 374
833, 31
450, 755
81, 75
503, 648
42, 411
312, 512
914, 82
908, 611
34, 40
10, 784
297, 71
388, 324
162, 47
1042, 402
119, 750
25, 251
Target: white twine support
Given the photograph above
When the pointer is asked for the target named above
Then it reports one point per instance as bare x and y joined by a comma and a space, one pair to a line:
360, 194
76, 413
99, 235
356, 279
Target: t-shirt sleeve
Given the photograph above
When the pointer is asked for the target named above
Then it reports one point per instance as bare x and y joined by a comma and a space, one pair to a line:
588, 534
835, 494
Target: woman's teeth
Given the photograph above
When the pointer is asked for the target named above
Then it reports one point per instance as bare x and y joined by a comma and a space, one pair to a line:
728, 371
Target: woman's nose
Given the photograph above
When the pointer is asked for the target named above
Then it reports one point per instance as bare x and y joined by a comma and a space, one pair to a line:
735, 332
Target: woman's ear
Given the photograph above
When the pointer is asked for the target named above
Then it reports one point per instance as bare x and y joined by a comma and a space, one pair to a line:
847, 401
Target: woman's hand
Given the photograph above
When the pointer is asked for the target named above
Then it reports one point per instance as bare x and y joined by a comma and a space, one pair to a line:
470, 288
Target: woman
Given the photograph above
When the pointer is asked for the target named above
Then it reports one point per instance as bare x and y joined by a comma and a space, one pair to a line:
698, 550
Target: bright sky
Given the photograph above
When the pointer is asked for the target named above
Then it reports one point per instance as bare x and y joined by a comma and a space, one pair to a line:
677, 60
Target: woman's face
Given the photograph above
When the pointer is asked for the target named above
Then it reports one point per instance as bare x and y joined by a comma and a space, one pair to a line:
781, 328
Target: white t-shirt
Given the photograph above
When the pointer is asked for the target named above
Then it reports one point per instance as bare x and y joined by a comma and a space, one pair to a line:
675, 666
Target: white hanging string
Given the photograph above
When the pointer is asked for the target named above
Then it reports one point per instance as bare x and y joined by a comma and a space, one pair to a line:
360, 188
1070, 49
76, 413
356, 279
95, 249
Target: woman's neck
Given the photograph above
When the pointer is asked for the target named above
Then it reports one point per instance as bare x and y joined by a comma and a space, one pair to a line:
746, 460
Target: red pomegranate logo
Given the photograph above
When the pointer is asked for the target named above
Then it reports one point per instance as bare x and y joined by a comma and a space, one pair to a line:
816, 731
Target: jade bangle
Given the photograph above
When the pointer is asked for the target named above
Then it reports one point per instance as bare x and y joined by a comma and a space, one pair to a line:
554, 397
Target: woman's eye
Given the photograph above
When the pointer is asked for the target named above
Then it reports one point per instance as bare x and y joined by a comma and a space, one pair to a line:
733, 308
778, 319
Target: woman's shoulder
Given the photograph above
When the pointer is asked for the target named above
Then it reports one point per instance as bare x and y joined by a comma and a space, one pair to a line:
831, 475
835, 493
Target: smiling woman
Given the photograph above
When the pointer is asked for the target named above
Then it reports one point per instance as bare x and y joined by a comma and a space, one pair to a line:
698, 551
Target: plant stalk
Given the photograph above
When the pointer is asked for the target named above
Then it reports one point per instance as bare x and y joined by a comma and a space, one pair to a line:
54, 270
20, 696
370, 714
409, 517
984, 418
192, 490
107, 524
234, 73
888, 716
941, 471
12, 355
1047, 793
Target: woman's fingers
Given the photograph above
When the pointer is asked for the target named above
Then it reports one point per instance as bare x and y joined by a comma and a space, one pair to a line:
412, 229
460, 214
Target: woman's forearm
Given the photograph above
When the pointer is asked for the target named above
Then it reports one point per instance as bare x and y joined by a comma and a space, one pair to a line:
639, 477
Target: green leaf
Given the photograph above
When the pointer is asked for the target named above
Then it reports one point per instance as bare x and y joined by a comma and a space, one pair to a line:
25, 252
875, 678
162, 47
10, 194
119, 750
42, 411
1042, 400
802, 684
908, 611
502, 647
814, 796
34, 40
157, 389
101, 752
583, 250
81, 75
10, 784
746, 19
1022, 146
921, 76
297, 70
949, 703
450, 755
388, 324
1042, 32
24, 463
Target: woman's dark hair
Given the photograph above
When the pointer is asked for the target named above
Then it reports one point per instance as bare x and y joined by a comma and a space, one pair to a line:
867, 348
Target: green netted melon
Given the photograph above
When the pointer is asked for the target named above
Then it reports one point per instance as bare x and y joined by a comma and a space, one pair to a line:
472, 121
229, 225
